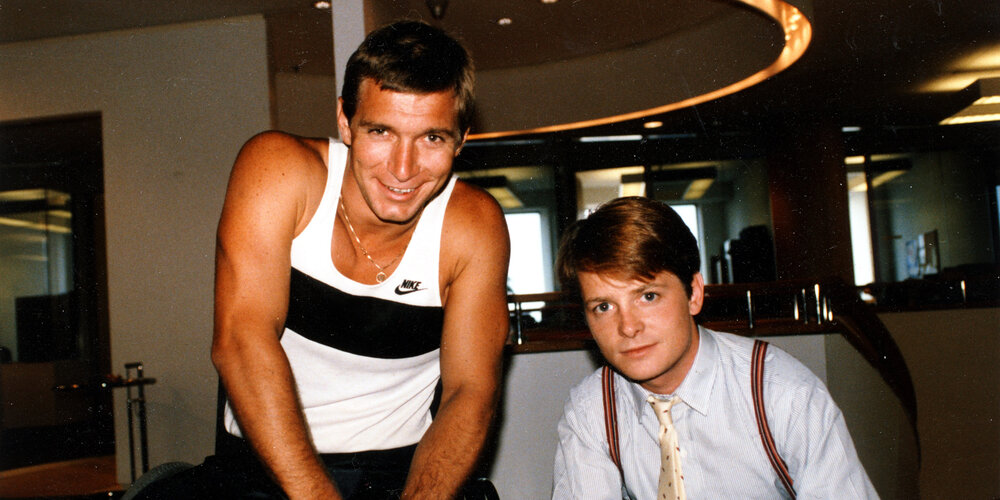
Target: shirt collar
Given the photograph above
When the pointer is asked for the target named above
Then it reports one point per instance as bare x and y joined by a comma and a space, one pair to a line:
696, 389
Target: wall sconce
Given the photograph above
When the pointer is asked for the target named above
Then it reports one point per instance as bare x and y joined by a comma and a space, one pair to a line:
985, 107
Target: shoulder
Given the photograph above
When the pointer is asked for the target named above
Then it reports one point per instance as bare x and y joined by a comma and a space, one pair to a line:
731, 350
474, 225
281, 152
280, 170
585, 398
589, 388
780, 367
787, 382
471, 208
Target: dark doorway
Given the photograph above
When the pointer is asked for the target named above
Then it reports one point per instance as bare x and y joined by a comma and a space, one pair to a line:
54, 342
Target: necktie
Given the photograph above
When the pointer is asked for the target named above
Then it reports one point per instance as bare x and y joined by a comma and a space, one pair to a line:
671, 480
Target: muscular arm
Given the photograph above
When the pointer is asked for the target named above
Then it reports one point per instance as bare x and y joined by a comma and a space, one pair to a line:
476, 253
266, 201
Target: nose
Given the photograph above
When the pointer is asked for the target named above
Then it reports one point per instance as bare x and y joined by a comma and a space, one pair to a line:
629, 323
403, 165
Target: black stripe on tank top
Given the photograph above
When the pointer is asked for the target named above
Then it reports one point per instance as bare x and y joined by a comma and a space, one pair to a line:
365, 326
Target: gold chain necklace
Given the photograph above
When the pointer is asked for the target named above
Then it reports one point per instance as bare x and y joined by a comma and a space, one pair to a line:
381, 276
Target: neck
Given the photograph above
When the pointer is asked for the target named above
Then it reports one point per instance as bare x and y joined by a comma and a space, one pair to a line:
669, 382
365, 248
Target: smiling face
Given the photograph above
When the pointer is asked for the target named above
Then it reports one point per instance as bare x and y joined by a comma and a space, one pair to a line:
645, 329
402, 146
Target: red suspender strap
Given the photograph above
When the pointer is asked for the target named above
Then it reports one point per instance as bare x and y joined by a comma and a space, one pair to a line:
611, 418
757, 388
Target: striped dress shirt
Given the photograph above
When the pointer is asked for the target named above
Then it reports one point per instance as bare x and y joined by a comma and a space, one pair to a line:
721, 452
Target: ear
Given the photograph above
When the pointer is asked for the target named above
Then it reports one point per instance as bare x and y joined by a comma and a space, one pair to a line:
697, 294
461, 143
343, 124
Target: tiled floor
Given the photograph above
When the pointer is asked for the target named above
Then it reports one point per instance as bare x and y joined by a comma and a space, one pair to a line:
92, 477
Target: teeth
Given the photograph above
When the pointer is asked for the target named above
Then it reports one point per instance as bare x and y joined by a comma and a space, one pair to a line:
400, 191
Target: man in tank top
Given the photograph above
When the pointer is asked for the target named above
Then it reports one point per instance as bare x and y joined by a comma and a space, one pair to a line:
351, 277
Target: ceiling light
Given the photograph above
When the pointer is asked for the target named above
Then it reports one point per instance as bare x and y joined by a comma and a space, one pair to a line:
505, 197
697, 188
322, 5
437, 8
695, 181
653, 124
499, 187
884, 177
849, 129
504, 21
23, 195
856, 182
854, 160
610, 138
549, 1
985, 107
632, 189
19, 223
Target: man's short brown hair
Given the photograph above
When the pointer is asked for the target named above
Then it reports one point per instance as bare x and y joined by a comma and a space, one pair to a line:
412, 57
629, 238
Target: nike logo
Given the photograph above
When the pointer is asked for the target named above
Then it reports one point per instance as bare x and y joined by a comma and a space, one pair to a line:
408, 286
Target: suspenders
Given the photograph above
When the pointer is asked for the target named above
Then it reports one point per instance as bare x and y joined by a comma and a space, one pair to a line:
611, 424
756, 388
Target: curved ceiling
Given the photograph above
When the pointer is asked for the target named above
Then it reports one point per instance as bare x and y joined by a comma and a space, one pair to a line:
884, 63
539, 33
656, 56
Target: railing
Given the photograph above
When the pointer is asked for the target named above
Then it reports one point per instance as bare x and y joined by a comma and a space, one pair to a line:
554, 321
946, 291
135, 406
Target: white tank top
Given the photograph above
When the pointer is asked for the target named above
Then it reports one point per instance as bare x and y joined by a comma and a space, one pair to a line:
365, 358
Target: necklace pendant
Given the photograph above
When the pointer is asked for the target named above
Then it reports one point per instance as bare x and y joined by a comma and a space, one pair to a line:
380, 277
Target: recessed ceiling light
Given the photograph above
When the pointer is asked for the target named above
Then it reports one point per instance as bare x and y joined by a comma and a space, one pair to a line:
549, 1
610, 138
653, 124
322, 5
505, 21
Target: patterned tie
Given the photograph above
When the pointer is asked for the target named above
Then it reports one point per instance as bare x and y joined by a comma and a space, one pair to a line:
671, 480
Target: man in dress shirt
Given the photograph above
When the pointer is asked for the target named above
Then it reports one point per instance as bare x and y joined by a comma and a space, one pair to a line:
635, 266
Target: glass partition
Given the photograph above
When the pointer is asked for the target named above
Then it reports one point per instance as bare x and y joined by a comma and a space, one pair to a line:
54, 342
527, 195
36, 276
931, 213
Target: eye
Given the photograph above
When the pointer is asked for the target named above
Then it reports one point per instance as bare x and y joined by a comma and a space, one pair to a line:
650, 296
377, 131
602, 307
438, 139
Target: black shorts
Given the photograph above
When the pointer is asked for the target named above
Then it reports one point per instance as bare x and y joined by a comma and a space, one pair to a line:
236, 473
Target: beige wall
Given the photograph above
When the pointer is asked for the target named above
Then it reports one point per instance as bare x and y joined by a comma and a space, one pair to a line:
954, 359
176, 103
881, 432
